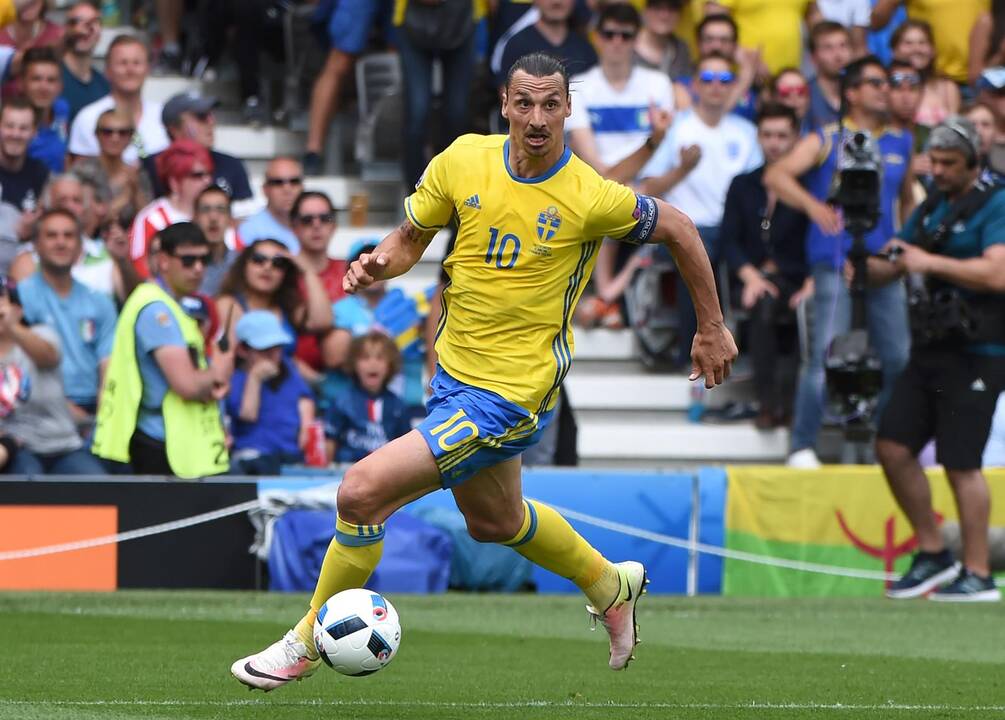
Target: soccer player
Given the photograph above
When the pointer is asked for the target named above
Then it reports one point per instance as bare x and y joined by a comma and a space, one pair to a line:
532, 216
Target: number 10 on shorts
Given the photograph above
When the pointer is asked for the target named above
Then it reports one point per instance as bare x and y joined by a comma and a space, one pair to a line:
447, 432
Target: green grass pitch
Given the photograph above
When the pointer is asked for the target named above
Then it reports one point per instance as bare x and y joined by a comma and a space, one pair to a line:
166, 655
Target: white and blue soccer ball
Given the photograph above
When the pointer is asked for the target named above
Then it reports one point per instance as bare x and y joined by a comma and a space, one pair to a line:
357, 632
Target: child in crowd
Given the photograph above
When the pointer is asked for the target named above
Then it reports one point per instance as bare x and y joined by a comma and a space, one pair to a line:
270, 405
367, 415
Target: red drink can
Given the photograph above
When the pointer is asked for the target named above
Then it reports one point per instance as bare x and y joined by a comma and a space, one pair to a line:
315, 454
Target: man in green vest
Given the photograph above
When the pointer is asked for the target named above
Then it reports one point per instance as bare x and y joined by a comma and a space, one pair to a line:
159, 407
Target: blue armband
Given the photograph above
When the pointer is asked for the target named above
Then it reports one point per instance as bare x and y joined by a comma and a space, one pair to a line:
646, 216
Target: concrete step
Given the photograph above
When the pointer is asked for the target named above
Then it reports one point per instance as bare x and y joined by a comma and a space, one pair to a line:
601, 388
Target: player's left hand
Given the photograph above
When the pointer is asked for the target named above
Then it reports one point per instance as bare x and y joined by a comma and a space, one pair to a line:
712, 354
364, 271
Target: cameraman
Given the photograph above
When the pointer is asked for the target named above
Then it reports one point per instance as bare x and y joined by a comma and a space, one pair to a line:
953, 246
865, 93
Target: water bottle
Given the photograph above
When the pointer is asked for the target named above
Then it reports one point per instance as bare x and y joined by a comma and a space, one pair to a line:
696, 410
110, 14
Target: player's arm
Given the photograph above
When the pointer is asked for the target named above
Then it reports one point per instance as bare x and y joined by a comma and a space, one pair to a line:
396, 254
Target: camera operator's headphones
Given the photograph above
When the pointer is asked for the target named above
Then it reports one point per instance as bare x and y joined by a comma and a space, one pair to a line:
967, 132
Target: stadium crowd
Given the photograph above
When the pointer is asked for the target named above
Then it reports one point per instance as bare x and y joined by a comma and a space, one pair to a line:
121, 227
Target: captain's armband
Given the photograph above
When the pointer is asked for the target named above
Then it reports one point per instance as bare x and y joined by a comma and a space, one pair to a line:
647, 215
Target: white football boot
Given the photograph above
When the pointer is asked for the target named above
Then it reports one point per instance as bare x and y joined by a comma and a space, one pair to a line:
619, 618
284, 660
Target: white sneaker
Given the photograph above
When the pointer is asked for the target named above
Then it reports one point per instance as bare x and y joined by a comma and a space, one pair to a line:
619, 618
284, 660
805, 459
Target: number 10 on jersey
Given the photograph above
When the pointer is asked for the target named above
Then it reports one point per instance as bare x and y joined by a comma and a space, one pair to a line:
504, 250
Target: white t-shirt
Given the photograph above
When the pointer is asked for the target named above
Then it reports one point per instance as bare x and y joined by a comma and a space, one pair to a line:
150, 137
619, 118
727, 150
850, 13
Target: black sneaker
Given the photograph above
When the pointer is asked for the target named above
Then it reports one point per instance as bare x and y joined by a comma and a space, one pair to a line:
927, 572
968, 587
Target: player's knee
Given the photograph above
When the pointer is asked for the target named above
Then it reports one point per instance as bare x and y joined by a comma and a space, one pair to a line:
357, 503
492, 530
892, 454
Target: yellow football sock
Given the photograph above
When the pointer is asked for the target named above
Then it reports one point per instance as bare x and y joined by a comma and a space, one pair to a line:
352, 555
546, 539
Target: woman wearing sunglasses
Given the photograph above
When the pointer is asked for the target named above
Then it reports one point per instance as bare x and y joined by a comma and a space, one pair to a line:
791, 89
914, 42
130, 186
185, 169
265, 276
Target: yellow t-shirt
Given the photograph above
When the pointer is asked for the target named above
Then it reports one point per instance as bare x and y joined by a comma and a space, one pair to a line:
8, 12
775, 26
525, 249
951, 22
478, 8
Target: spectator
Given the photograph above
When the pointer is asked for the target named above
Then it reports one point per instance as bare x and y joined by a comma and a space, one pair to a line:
30, 30
265, 276
284, 179
987, 41
992, 87
212, 215
717, 34
367, 415
169, 17
270, 405
620, 112
83, 318
40, 422
952, 22
83, 83
905, 99
790, 88
128, 186
186, 169
128, 63
431, 32
187, 116
866, 93
830, 50
160, 399
657, 47
913, 42
764, 248
851, 14
774, 28
348, 26
704, 150
314, 221
43, 85
983, 118
21, 179
552, 34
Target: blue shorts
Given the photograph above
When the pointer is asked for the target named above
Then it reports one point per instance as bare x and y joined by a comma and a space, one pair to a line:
469, 429
350, 23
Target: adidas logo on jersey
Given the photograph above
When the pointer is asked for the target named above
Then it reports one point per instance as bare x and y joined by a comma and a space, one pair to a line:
472, 202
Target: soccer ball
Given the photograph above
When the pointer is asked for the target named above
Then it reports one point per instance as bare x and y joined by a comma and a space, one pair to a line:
357, 632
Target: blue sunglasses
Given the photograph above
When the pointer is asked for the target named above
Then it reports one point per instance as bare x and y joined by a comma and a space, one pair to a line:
725, 77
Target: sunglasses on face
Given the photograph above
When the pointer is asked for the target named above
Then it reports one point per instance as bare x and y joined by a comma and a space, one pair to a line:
325, 218
708, 76
222, 209
115, 132
279, 262
90, 22
200, 174
190, 260
625, 35
278, 181
875, 82
905, 80
793, 91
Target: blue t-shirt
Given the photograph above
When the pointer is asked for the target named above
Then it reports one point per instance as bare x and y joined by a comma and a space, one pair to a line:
79, 94
85, 322
49, 143
968, 239
277, 430
575, 52
156, 327
262, 226
360, 423
820, 112
895, 151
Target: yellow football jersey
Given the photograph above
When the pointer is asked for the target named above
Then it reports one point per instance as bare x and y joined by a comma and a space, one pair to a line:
524, 252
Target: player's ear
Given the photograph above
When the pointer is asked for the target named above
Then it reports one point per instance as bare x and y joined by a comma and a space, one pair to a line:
502, 101
568, 104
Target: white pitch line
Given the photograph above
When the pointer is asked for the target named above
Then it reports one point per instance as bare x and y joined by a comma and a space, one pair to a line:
753, 705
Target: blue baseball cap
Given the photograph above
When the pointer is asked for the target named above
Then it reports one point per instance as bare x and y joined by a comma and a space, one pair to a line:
261, 330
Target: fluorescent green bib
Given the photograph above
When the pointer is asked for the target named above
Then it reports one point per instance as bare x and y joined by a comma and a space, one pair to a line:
193, 433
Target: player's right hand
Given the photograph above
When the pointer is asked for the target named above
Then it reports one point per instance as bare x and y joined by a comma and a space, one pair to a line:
367, 269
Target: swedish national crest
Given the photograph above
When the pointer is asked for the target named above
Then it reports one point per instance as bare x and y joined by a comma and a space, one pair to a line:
548, 222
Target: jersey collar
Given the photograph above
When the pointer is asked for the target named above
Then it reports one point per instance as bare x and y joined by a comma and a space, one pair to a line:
562, 162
